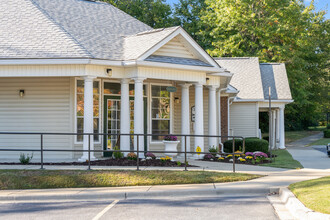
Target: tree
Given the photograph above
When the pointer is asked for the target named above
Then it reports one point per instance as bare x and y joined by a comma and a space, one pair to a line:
155, 13
275, 31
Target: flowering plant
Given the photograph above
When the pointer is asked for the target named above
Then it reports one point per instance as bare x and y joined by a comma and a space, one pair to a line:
208, 156
242, 159
150, 155
229, 156
221, 158
260, 156
131, 156
249, 157
167, 158
170, 138
249, 154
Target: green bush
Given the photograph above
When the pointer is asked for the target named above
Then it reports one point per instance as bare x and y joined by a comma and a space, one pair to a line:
25, 159
117, 155
328, 126
326, 133
251, 145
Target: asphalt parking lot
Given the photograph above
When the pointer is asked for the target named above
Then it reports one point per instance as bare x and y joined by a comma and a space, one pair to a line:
215, 207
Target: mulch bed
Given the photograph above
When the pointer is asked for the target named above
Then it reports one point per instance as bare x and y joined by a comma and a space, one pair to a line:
115, 162
237, 161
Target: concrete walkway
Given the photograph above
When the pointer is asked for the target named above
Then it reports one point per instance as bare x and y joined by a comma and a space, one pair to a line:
309, 157
316, 165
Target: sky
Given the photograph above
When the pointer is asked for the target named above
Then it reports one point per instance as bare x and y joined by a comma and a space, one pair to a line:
320, 5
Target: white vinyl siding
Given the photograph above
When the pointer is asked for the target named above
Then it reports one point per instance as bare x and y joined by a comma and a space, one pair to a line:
244, 119
174, 48
45, 107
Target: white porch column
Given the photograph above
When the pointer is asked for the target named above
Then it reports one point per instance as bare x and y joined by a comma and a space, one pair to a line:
219, 114
185, 116
282, 129
138, 114
199, 120
88, 117
125, 116
277, 128
212, 116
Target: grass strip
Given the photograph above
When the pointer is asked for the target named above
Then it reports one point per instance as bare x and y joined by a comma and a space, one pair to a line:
45, 179
322, 141
283, 160
291, 136
314, 194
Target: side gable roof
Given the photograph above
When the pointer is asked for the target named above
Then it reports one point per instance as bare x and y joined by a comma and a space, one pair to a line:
246, 78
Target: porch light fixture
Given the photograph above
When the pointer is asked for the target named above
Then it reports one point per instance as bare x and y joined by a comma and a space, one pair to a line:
109, 72
176, 100
207, 81
21, 93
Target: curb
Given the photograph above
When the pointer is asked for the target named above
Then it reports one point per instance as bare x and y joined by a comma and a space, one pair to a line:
297, 209
129, 194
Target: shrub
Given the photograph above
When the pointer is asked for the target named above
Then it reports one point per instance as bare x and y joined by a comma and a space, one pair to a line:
178, 163
131, 156
213, 150
25, 159
326, 133
328, 126
251, 145
148, 154
117, 155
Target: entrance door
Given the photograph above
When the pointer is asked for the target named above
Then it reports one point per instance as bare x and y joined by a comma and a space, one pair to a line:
112, 106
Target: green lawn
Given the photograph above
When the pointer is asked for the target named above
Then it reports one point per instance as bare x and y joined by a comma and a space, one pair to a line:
291, 136
322, 141
283, 160
44, 179
314, 194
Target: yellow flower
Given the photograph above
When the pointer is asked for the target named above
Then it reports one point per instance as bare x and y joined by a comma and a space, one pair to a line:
221, 158
242, 160
249, 157
229, 155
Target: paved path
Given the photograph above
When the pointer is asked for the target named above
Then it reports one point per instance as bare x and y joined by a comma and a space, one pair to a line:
308, 156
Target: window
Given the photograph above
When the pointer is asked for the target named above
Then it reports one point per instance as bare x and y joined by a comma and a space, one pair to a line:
160, 111
80, 109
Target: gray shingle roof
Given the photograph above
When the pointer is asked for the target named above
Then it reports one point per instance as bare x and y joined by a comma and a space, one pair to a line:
64, 28
137, 44
25, 32
253, 79
177, 60
274, 75
246, 78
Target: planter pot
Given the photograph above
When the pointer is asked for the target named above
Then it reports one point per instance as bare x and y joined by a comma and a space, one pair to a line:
171, 146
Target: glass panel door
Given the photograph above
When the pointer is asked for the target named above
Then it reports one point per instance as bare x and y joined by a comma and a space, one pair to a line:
113, 122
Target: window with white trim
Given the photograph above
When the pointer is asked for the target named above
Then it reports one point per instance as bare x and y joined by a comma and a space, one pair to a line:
80, 109
160, 111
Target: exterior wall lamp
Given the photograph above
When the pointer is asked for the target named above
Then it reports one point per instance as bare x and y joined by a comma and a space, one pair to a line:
109, 72
21, 93
207, 81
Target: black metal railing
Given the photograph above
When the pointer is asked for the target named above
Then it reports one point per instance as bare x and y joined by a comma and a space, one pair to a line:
138, 151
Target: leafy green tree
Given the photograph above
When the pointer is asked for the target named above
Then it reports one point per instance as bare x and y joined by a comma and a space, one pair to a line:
275, 31
155, 13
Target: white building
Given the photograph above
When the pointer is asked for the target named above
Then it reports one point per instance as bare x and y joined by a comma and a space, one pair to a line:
77, 66
252, 80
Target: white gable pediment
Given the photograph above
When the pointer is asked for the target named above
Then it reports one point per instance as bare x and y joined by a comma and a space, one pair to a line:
175, 48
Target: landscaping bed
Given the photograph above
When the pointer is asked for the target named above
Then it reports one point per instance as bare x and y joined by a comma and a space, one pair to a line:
117, 162
45, 179
314, 194
249, 158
